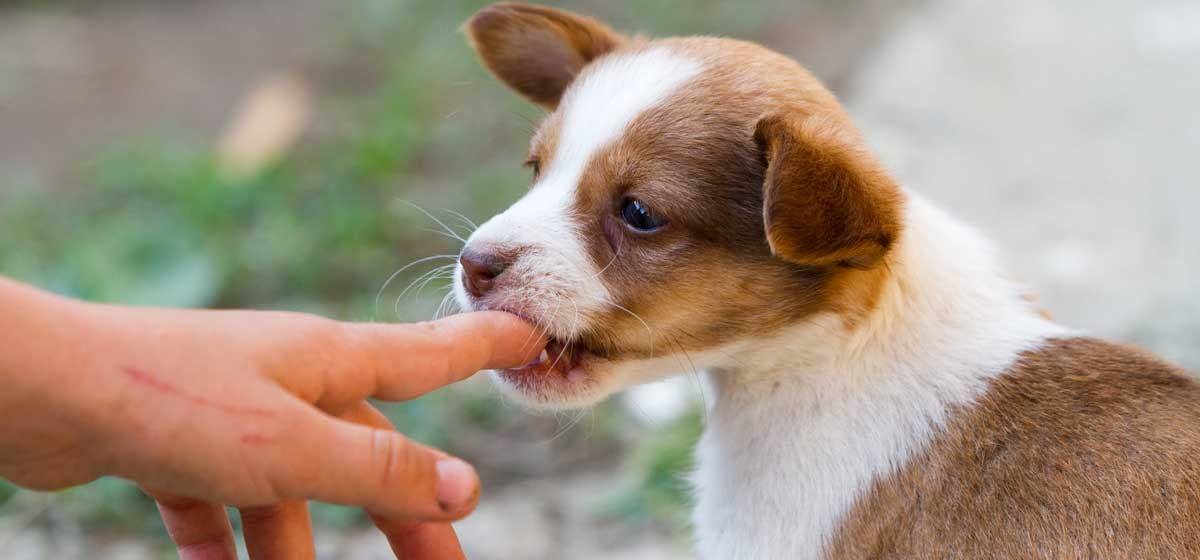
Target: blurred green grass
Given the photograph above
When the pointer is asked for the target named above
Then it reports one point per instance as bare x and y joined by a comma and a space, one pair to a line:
153, 220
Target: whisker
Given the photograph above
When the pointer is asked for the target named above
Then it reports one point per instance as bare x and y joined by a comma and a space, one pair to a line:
530, 125
417, 292
443, 273
563, 431
638, 411
448, 302
379, 295
464, 219
436, 220
649, 331
699, 382
539, 326
455, 236
574, 323
429, 274
610, 263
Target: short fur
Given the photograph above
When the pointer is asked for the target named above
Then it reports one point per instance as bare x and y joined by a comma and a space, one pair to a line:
1084, 449
881, 389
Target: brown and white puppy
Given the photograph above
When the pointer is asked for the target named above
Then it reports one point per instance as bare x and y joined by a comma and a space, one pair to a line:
882, 390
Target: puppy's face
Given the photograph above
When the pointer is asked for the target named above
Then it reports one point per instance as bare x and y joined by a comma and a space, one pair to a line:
688, 195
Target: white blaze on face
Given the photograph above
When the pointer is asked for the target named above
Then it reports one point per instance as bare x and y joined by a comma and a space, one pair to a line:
554, 279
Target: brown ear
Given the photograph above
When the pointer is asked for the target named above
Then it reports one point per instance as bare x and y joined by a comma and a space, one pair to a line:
825, 201
537, 50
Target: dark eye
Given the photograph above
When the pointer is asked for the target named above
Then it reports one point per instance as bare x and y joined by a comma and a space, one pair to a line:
639, 217
535, 164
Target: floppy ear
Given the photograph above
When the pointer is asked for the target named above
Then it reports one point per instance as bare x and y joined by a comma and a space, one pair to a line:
826, 202
537, 50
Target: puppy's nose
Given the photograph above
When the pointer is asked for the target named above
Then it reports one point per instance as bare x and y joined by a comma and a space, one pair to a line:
480, 271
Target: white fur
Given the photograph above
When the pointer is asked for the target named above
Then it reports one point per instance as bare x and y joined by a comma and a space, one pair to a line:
597, 108
609, 95
803, 423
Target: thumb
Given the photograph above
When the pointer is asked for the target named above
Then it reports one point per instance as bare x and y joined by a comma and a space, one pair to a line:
337, 461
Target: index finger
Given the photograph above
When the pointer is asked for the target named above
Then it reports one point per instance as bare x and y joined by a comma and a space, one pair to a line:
400, 362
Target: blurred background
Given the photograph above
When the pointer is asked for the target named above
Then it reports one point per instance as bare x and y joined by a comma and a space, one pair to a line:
306, 155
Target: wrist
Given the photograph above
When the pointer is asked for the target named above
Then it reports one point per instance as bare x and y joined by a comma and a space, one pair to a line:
43, 369
92, 392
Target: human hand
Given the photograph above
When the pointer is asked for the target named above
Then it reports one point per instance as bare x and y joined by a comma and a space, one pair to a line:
258, 410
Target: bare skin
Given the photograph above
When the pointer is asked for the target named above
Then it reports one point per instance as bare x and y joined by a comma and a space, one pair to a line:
258, 410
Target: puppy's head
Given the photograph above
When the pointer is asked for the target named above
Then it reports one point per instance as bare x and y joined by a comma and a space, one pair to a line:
688, 195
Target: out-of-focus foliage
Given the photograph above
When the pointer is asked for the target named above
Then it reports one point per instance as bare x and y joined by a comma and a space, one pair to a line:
6, 490
406, 117
657, 487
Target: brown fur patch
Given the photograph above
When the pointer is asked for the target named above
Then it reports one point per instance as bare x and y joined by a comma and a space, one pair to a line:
826, 202
1084, 449
537, 50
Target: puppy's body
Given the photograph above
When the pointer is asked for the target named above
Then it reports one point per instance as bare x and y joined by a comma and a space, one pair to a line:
1083, 449
956, 423
824, 411
881, 388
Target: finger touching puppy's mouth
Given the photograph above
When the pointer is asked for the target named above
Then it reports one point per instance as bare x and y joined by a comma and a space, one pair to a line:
560, 359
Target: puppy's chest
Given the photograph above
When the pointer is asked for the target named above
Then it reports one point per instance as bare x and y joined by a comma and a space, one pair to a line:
776, 479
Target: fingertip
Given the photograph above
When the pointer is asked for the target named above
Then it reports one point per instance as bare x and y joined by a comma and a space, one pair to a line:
516, 340
502, 323
513, 341
457, 486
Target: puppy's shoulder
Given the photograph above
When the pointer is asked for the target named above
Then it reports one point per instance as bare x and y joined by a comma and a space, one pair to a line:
1116, 390
1083, 448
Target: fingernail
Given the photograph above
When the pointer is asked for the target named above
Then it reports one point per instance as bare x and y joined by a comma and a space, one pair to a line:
456, 484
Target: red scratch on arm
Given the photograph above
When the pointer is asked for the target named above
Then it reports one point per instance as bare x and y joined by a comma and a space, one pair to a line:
149, 380
257, 439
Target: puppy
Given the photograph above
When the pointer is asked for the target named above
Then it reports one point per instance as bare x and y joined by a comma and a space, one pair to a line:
881, 389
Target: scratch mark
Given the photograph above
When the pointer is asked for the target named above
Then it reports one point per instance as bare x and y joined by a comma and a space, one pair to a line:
257, 439
149, 380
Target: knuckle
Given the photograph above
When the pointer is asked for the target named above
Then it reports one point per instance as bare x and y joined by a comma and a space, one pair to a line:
319, 332
275, 485
384, 454
397, 464
294, 336
324, 348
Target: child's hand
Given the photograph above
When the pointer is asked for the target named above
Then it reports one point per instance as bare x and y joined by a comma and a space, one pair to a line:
259, 410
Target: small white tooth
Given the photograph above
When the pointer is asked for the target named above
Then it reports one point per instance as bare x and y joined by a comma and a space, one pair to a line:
543, 356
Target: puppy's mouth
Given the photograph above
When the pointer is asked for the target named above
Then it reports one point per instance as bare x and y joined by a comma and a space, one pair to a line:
563, 360
559, 362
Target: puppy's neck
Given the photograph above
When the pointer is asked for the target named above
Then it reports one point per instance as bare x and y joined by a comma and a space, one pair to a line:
942, 305
804, 421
